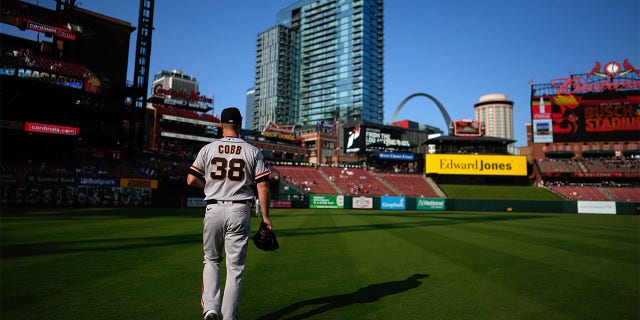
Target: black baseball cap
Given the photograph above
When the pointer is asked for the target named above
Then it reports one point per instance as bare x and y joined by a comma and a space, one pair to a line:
231, 115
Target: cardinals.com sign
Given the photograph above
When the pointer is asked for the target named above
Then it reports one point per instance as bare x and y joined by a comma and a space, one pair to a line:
50, 129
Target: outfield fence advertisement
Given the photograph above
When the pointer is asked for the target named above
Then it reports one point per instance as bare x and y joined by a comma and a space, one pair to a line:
393, 203
600, 207
432, 204
280, 203
326, 201
495, 165
362, 203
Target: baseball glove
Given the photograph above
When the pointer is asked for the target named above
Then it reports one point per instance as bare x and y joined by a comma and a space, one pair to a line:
265, 239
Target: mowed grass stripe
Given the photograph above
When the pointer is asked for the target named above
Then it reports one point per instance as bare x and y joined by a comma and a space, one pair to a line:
546, 281
603, 227
589, 248
454, 288
98, 261
351, 276
345, 264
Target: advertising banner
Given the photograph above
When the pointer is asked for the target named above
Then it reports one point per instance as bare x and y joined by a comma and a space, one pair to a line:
48, 179
194, 96
273, 130
467, 128
196, 203
44, 28
280, 203
50, 129
594, 117
326, 201
362, 138
53, 78
602, 105
396, 156
495, 165
139, 183
600, 207
393, 203
432, 204
98, 181
362, 203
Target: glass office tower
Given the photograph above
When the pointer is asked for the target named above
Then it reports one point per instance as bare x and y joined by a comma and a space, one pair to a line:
276, 81
337, 61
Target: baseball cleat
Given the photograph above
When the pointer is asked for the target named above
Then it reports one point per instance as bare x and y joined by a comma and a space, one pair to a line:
210, 315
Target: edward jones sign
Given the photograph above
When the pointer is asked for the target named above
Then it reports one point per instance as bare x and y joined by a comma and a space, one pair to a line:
494, 165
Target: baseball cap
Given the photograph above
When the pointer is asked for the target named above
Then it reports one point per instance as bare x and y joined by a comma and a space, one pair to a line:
231, 115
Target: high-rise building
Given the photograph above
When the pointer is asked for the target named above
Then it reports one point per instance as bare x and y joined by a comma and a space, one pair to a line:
495, 112
332, 51
249, 107
176, 80
176, 88
276, 82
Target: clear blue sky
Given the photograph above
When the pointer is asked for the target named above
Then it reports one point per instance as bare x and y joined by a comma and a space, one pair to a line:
456, 51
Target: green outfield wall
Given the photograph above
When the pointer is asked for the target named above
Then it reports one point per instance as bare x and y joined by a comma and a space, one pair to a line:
442, 204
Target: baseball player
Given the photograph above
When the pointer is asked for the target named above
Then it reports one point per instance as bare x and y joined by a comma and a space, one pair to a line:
227, 169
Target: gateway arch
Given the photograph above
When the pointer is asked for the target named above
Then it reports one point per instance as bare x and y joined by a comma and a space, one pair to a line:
444, 112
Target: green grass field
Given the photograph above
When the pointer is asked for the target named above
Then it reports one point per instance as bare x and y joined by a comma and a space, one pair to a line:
332, 264
462, 191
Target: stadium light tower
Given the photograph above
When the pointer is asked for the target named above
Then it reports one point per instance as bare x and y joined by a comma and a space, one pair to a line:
141, 72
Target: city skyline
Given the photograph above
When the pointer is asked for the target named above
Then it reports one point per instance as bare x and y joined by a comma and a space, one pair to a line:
456, 52
323, 61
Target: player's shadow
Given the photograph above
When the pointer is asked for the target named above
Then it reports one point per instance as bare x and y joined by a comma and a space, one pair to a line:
368, 294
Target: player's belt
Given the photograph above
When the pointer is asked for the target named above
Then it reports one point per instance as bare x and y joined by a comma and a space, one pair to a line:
213, 201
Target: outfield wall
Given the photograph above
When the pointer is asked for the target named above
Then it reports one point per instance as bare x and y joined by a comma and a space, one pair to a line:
442, 204
178, 195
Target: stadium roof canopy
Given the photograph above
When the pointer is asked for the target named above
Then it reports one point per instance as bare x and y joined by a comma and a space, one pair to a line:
598, 153
559, 154
468, 145
468, 140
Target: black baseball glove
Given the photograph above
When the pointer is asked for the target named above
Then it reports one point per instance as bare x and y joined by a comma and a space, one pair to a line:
265, 238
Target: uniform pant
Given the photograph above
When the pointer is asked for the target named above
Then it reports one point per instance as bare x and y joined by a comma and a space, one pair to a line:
226, 230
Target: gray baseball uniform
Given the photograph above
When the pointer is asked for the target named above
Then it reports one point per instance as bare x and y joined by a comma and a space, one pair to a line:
229, 168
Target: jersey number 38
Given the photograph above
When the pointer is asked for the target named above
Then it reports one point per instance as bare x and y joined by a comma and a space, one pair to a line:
232, 169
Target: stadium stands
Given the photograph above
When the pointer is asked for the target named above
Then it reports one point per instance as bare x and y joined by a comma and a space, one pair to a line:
307, 178
357, 182
627, 165
591, 193
558, 165
599, 179
625, 194
411, 185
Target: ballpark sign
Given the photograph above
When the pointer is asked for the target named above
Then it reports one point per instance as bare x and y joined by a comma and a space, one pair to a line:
493, 165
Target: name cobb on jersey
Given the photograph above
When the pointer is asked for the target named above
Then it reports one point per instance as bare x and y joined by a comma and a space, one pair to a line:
229, 149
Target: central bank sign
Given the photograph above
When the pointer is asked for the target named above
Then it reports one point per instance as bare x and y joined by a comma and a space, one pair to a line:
326, 201
494, 165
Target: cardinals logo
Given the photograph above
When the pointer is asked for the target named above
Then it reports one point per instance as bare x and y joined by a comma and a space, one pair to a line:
613, 69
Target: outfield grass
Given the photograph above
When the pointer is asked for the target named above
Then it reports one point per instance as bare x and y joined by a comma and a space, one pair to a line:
332, 264
461, 191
